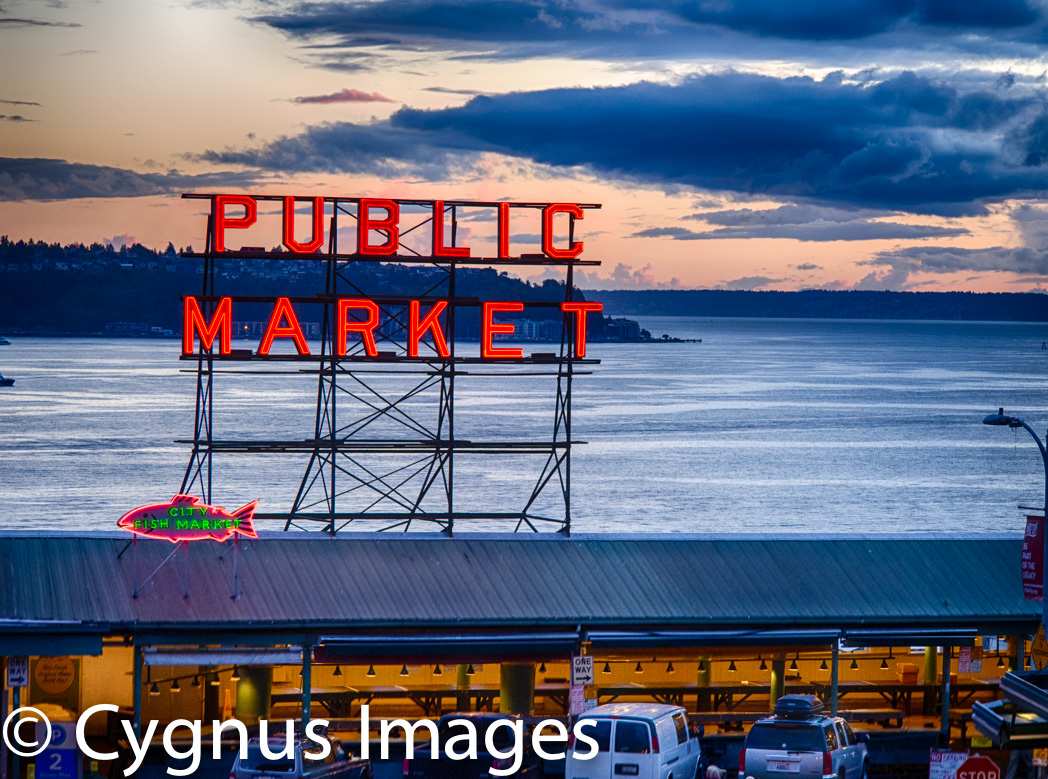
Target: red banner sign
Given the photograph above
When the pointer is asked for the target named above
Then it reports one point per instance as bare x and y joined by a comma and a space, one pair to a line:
1033, 559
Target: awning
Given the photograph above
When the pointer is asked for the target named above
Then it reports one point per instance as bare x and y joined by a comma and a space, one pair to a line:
1020, 721
53, 645
911, 637
249, 656
703, 638
1009, 726
463, 647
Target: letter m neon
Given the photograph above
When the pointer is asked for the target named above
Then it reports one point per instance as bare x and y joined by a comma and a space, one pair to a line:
220, 326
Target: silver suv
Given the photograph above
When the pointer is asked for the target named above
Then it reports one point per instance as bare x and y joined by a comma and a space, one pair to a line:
798, 742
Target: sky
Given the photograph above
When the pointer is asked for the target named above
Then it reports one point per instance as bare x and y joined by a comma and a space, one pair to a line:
736, 144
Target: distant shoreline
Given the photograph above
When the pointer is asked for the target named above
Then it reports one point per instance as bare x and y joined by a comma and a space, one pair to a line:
1019, 307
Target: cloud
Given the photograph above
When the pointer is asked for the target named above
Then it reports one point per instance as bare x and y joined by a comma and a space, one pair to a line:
944, 259
856, 230
910, 143
13, 22
891, 279
749, 282
79, 52
632, 29
622, 276
26, 178
19, 102
808, 266
120, 241
15, 118
344, 96
450, 91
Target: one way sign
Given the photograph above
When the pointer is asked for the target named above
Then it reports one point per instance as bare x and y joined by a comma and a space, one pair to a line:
582, 670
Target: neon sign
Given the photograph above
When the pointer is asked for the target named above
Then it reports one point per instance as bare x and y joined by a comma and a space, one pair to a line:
380, 215
208, 321
186, 518
283, 323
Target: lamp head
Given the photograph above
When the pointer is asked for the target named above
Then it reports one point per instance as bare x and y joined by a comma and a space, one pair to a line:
1000, 420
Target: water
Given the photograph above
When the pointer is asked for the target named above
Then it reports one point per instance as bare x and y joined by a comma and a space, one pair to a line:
769, 426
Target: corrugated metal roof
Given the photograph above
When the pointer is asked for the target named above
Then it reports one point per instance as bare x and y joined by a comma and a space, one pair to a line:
369, 581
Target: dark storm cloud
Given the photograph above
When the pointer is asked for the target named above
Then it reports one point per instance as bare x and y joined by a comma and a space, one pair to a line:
851, 19
48, 179
631, 28
909, 143
381, 149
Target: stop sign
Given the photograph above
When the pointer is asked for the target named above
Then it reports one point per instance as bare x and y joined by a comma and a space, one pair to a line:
978, 767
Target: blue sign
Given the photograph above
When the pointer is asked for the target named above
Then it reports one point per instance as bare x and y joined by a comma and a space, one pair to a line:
57, 764
60, 760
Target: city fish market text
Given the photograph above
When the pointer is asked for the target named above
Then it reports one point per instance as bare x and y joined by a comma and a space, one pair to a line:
187, 518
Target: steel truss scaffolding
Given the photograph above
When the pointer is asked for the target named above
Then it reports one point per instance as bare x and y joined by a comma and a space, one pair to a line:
384, 448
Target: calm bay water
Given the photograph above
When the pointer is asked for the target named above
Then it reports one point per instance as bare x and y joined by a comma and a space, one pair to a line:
779, 426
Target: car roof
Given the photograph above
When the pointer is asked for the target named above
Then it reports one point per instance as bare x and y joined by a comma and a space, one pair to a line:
641, 710
818, 719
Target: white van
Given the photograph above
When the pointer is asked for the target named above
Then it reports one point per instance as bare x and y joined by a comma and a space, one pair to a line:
645, 740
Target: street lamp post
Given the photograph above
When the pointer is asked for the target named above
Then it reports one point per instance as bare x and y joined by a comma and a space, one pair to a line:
1001, 420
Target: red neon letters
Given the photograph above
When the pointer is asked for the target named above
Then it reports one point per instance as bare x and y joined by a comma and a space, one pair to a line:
490, 328
365, 224
382, 215
283, 323
221, 326
417, 329
365, 328
439, 249
275, 329
575, 249
580, 309
503, 231
289, 227
222, 221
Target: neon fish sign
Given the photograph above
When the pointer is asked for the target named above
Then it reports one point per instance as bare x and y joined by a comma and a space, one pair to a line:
186, 518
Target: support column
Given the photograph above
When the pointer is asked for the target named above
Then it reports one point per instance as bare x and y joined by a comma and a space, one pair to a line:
833, 679
931, 676
212, 699
945, 693
307, 683
16, 703
462, 683
137, 699
778, 680
704, 700
1020, 653
516, 688
253, 694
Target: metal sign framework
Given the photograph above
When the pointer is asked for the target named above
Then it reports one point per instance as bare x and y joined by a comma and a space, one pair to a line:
384, 445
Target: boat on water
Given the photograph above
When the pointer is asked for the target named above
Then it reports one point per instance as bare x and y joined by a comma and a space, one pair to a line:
4, 341
6, 382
